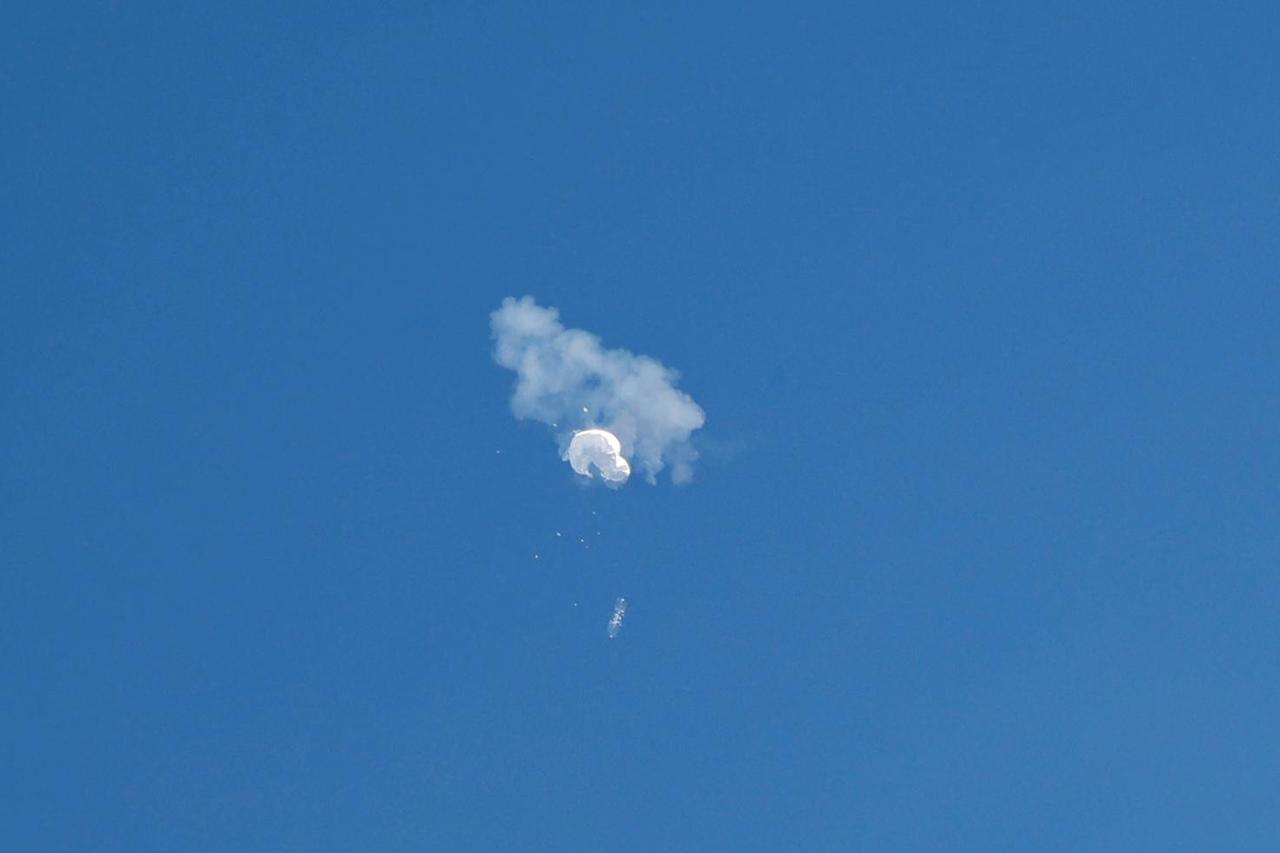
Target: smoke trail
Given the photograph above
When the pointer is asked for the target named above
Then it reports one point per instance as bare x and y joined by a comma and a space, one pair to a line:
566, 379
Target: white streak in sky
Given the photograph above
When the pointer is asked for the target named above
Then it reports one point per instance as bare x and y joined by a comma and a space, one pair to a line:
615, 621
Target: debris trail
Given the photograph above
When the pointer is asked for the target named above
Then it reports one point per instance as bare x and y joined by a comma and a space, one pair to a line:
615, 621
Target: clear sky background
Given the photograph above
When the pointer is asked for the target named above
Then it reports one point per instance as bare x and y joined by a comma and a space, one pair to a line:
980, 301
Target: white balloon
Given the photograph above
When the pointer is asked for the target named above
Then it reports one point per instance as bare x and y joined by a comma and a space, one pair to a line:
599, 449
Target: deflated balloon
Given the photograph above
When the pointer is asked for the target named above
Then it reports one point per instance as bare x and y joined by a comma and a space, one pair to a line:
601, 450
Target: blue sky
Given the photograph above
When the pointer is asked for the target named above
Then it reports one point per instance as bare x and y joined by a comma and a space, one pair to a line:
980, 303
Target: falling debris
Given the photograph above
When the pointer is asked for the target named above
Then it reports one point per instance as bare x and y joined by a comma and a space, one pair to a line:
615, 621
601, 450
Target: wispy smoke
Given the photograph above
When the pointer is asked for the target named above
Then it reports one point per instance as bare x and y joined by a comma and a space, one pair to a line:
566, 379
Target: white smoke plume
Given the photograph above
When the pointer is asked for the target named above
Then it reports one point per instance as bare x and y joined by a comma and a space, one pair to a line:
565, 378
